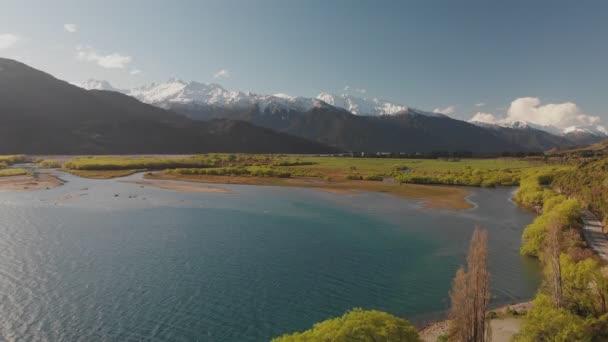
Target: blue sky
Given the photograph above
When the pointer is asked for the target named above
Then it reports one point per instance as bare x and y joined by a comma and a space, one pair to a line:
427, 54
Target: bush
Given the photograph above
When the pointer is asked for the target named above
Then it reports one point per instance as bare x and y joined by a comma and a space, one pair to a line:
565, 213
354, 176
358, 325
546, 323
12, 172
374, 177
49, 164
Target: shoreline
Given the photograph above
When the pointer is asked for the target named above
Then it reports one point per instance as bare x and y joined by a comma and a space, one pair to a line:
432, 196
35, 181
179, 187
504, 326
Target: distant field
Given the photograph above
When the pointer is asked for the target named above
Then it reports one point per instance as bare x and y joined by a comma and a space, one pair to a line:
335, 174
475, 172
384, 164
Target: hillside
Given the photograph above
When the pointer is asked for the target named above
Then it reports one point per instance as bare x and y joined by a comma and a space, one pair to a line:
40, 114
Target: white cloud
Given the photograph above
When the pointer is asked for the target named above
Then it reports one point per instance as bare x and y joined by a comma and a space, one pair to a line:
560, 115
485, 117
361, 90
135, 72
346, 88
480, 104
7, 40
530, 109
447, 110
71, 28
222, 74
111, 61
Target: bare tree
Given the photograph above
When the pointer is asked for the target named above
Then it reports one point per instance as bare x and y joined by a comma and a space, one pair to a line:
459, 317
551, 256
470, 293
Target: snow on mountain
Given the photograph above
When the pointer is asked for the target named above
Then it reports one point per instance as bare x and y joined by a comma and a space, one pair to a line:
588, 129
596, 130
92, 84
177, 91
362, 106
184, 93
212, 94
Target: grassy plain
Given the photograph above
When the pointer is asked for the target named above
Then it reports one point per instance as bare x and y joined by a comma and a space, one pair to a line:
401, 177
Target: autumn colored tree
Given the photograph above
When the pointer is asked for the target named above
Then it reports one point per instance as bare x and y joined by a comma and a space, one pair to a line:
551, 258
470, 293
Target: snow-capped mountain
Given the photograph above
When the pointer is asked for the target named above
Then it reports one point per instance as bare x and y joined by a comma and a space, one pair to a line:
596, 130
177, 92
362, 106
588, 129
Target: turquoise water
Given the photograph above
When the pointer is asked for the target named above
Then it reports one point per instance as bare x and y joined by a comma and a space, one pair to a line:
104, 260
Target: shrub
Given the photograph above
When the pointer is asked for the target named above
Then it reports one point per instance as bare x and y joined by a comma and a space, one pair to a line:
547, 323
49, 164
358, 325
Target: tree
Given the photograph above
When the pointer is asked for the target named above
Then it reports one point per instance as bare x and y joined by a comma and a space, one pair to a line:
470, 293
459, 317
551, 259
358, 325
544, 322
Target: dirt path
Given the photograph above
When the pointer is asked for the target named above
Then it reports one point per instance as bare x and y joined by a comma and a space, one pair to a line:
596, 238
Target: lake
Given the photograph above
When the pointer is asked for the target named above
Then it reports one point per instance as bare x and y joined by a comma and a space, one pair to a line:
104, 260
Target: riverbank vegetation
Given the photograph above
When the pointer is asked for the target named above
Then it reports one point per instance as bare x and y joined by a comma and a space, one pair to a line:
12, 172
572, 304
7, 160
357, 325
49, 164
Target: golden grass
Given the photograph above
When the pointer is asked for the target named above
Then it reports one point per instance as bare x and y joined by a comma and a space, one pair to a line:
101, 174
12, 172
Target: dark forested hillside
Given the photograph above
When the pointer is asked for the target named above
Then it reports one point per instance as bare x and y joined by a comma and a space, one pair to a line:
40, 114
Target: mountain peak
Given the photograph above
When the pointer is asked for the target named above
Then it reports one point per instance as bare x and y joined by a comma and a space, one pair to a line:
93, 84
361, 105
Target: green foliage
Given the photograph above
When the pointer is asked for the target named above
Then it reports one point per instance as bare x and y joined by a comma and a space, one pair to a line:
544, 322
131, 163
14, 159
12, 172
442, 338
374, 177
354, 176
588, 183
231, 171
49, 164
585, 287
468, 176
563, 211
358, 325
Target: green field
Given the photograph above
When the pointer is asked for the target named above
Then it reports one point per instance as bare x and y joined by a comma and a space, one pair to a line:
472, 172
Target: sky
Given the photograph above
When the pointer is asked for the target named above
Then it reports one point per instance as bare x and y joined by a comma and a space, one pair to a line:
545, 60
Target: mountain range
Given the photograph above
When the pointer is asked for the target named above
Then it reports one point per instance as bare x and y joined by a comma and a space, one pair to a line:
354, 123
40, 114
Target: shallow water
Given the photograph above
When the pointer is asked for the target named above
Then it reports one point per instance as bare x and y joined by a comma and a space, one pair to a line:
103, 260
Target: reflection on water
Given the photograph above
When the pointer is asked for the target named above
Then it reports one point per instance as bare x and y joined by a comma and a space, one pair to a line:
104, 260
